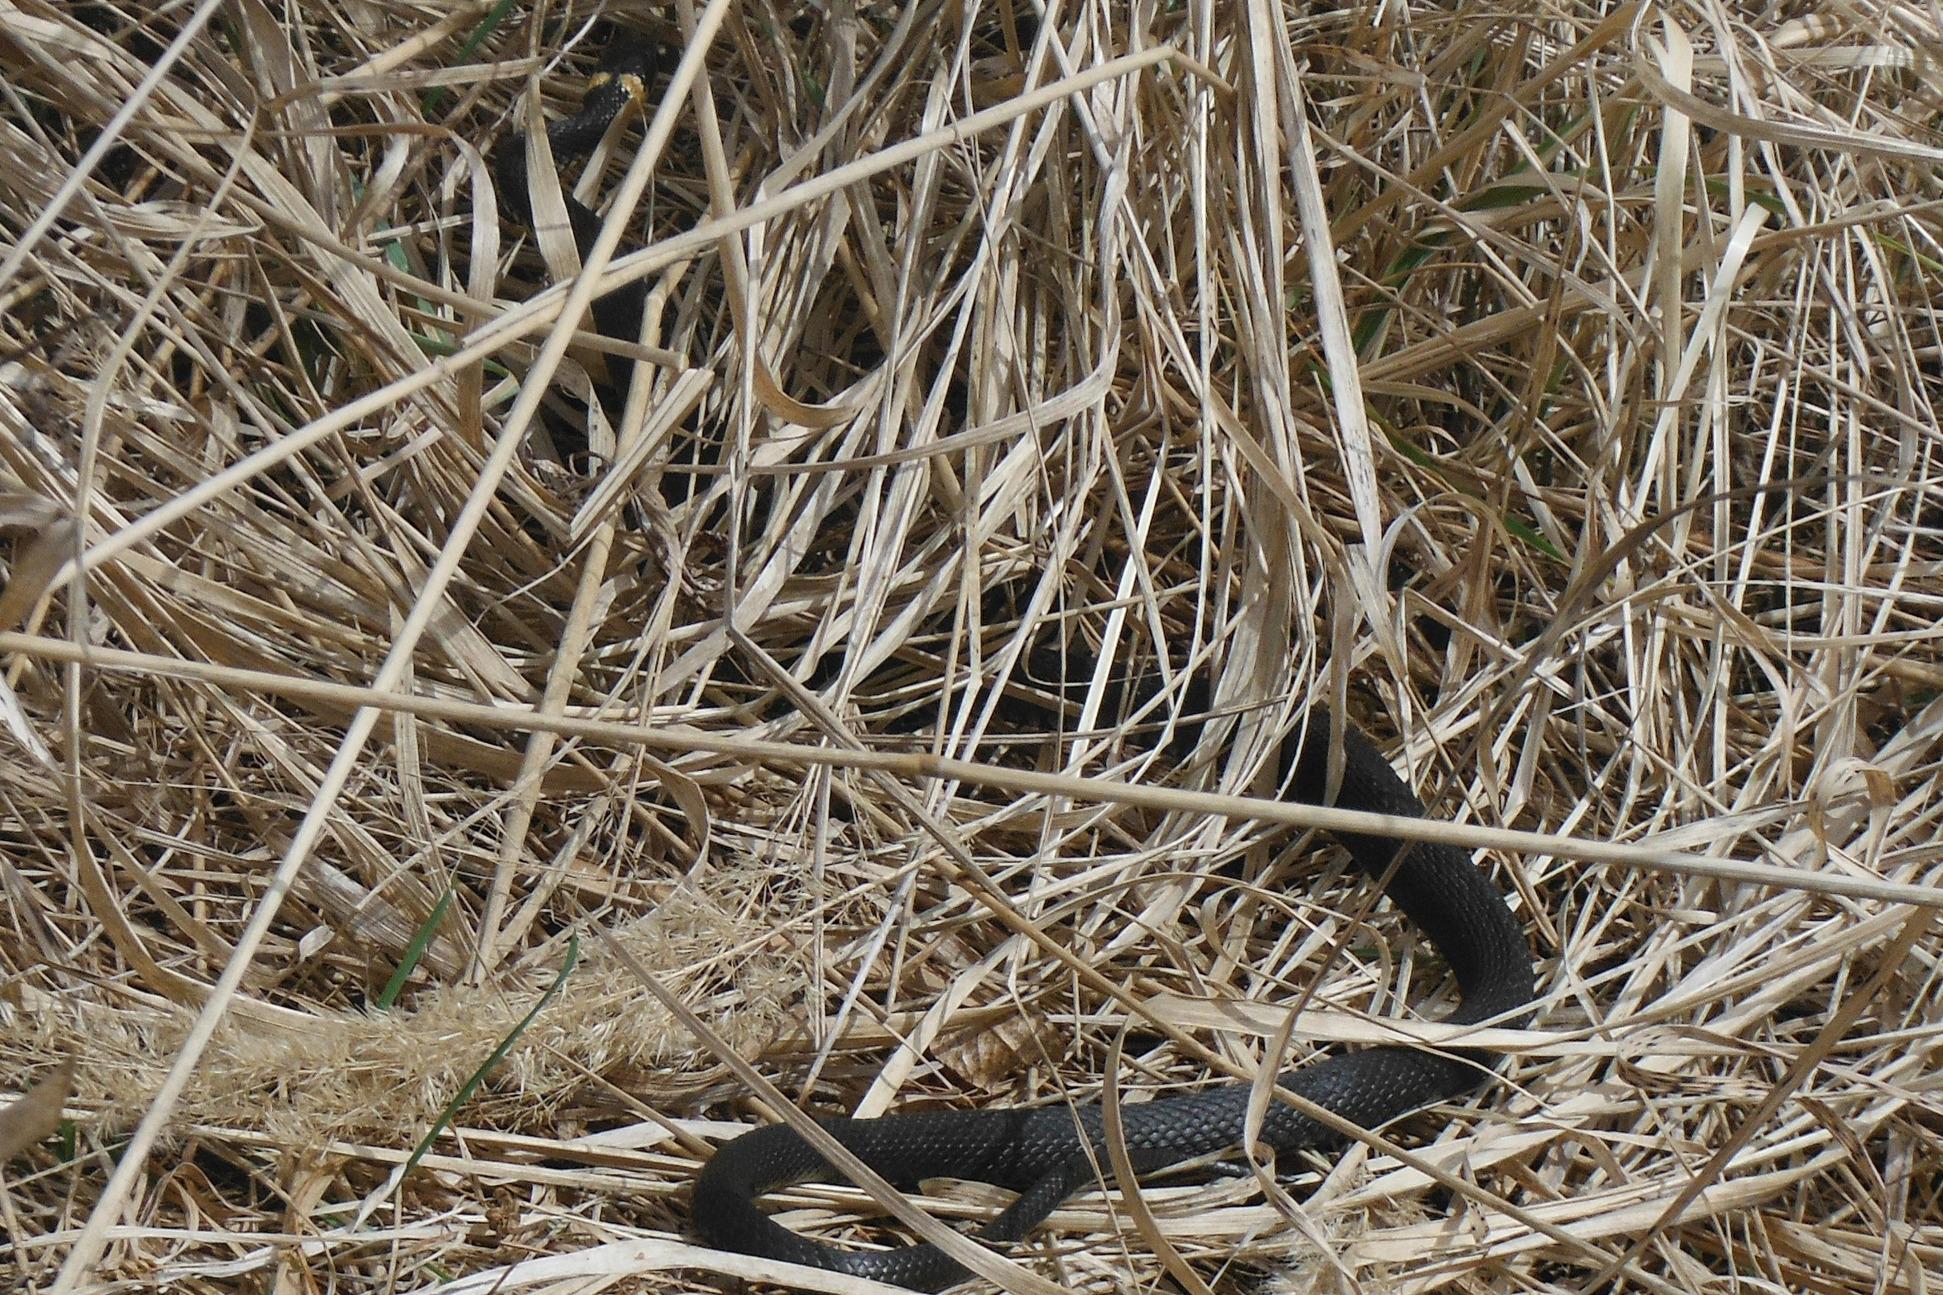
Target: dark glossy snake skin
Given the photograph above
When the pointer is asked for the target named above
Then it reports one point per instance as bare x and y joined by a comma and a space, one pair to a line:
1041, 1153
626, 72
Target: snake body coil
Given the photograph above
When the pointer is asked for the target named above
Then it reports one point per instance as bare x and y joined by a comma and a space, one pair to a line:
1045, 1153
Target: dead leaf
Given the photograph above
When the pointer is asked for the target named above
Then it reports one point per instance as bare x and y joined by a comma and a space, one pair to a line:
35, 1117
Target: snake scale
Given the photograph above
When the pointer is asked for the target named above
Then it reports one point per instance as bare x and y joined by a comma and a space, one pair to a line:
1047, 1153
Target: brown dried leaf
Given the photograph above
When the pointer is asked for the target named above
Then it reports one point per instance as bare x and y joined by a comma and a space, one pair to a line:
36, 1116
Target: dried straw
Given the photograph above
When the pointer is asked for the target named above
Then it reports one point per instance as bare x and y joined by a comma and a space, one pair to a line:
1553, 388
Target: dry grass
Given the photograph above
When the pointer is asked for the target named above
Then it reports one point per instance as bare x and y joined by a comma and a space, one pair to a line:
1428, 355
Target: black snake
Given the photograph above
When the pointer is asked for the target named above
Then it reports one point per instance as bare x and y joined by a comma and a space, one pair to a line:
1047, 1153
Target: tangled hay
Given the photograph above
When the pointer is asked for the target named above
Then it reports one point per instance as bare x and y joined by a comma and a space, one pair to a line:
1555, 386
